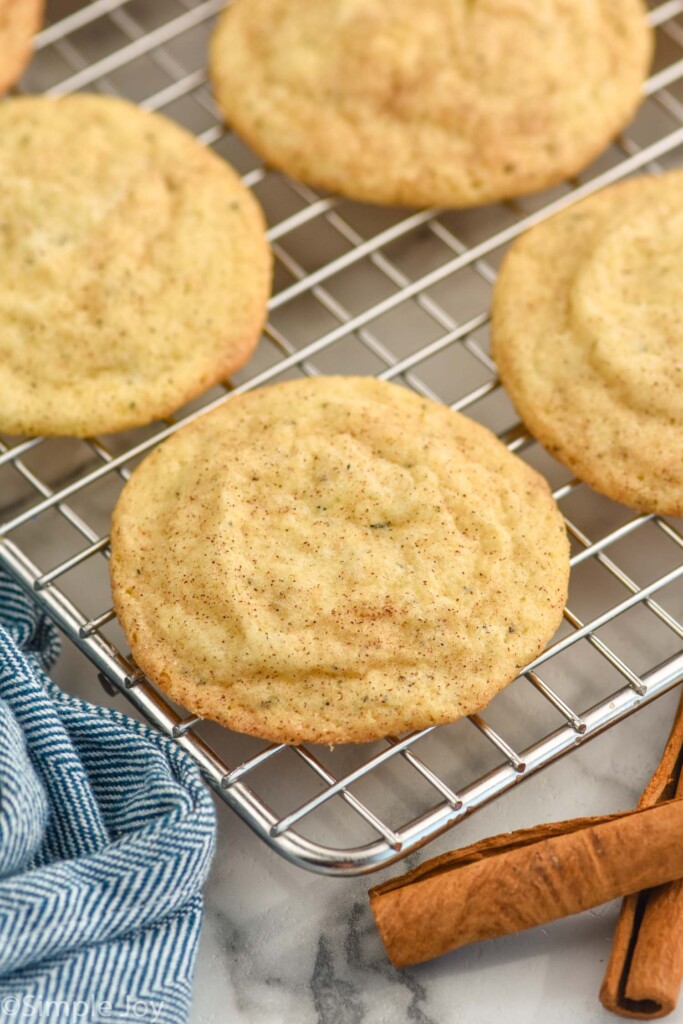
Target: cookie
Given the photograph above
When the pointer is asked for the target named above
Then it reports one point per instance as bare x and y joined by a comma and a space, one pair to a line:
134, 268
336, 560
451, 103
19, 22
588, 338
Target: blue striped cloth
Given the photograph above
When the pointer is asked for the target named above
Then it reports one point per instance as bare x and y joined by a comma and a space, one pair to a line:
106, 835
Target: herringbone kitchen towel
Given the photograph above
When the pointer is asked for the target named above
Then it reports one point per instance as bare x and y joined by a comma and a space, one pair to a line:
106, 835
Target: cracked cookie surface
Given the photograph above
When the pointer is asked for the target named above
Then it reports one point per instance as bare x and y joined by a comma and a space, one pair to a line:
134, 269
336, 560
455, 104
588, 337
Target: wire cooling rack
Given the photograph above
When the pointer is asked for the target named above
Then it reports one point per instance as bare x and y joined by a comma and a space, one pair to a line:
404, 295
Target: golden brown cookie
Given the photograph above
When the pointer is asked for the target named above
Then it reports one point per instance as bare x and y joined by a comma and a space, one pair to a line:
19, 22
588, 338
447, 102
134, 269
336, 560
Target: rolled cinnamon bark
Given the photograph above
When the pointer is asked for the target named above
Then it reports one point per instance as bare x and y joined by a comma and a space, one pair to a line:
645, 971
522, 879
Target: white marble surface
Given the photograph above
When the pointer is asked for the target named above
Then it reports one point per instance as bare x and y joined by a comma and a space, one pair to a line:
283, 946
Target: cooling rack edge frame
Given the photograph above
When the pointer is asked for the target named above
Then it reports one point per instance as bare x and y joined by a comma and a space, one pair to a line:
290, 844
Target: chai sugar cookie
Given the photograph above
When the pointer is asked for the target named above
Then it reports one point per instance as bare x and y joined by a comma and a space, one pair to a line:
19, 22
447, 103
336, 560
588, 338
134, 268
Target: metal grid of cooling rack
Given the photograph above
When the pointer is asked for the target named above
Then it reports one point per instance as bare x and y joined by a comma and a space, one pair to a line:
404, 295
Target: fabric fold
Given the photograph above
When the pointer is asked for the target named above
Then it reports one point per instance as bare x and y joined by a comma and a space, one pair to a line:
106, 836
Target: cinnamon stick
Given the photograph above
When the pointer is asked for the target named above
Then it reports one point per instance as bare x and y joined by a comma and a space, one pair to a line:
645, 971
522, 879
